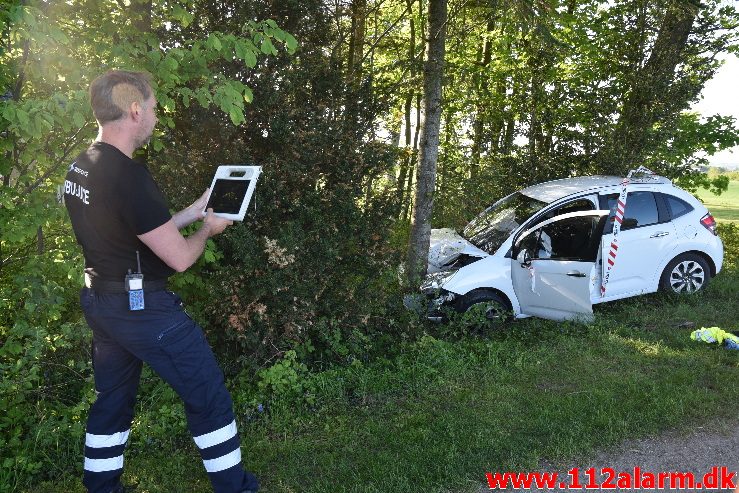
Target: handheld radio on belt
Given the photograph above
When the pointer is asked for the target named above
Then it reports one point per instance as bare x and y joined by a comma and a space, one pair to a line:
135, 287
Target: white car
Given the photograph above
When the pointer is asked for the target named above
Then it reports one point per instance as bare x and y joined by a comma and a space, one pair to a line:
539, 252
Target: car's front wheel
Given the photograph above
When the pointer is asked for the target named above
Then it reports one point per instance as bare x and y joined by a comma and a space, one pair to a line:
685, 274
482, 310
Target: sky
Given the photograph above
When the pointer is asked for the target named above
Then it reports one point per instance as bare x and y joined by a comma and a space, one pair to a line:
720, 96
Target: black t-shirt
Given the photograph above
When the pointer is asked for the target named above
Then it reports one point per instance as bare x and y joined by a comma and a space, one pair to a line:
111, 199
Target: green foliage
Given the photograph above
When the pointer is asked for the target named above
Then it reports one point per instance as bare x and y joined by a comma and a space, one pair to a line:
729, 234
49, 53
285, 380
693, 181
526, 107
311, 266
307, 311
46, 390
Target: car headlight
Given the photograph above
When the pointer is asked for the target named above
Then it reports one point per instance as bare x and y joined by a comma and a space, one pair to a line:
433, 282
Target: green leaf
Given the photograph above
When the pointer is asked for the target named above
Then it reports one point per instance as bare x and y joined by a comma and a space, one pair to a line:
213, 42
237, 115
9, 112
22, 117
248, 95
58, 35
13, 347
183, 16
267, 47
209, 257
292, 43
279, 34
250, 59
171, 63
154, 55
203, 96
240, 49
78, 119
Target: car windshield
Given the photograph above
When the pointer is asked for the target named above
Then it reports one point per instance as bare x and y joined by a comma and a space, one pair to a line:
495, 224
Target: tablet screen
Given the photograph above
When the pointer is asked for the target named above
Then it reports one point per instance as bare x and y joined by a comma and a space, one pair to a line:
227, 195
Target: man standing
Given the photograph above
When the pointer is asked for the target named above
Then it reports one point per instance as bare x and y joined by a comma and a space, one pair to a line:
131, 244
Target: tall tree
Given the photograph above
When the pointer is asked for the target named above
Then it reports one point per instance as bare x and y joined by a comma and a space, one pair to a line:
354, 64
650, 98
433, 74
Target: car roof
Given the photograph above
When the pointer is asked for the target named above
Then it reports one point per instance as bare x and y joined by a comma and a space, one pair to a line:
556, 189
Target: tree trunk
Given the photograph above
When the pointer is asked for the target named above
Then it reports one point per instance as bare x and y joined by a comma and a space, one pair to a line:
497, 126
408, 193
535, 100
483, 100
354, 71
406, 165
406, 162
40, 241
408, 204
433, 73
450, 130
141, 15
509, 132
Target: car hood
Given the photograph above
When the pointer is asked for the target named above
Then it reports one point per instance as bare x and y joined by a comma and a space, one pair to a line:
446, 246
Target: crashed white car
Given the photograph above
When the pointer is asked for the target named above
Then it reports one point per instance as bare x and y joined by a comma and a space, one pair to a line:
541, 251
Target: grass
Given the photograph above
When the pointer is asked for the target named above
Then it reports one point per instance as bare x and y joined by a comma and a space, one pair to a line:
442, 413
724, 207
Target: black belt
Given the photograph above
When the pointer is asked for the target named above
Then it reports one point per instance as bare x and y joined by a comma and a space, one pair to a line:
120, 286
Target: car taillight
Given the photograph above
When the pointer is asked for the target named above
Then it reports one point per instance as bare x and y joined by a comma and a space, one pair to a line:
709, 223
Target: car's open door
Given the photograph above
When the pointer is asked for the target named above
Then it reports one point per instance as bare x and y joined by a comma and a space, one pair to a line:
553, 265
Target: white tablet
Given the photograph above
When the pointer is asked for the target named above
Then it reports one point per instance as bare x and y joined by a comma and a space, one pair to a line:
231, 191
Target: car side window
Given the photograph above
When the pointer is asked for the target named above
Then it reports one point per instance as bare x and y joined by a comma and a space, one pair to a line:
678, 207
573, 238
641, 210
577, 205
574, 206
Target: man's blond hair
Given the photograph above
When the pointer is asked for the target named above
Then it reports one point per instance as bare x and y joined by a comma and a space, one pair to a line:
112, 93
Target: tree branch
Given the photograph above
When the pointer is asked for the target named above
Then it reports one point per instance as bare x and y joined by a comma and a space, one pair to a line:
61, 162
371, 48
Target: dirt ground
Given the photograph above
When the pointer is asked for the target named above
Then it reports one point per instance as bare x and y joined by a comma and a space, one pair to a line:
696, 450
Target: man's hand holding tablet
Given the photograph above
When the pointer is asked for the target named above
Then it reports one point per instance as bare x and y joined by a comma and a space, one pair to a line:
231, 191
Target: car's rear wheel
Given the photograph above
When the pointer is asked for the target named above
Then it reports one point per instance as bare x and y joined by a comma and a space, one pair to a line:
483, 310
685, 274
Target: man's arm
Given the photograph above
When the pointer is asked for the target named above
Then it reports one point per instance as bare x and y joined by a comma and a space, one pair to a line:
191, 213
181, 252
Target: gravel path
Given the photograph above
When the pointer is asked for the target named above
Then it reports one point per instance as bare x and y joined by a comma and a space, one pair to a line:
696, 451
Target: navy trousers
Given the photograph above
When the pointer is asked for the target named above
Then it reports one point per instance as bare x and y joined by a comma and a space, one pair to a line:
174, 346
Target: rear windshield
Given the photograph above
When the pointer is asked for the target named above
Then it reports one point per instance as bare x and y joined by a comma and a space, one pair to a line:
495, 224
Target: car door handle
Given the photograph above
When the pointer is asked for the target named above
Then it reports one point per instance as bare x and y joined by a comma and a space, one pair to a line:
575, 273
661, 233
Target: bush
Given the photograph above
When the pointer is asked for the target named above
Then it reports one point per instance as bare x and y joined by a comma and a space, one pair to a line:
729, 234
